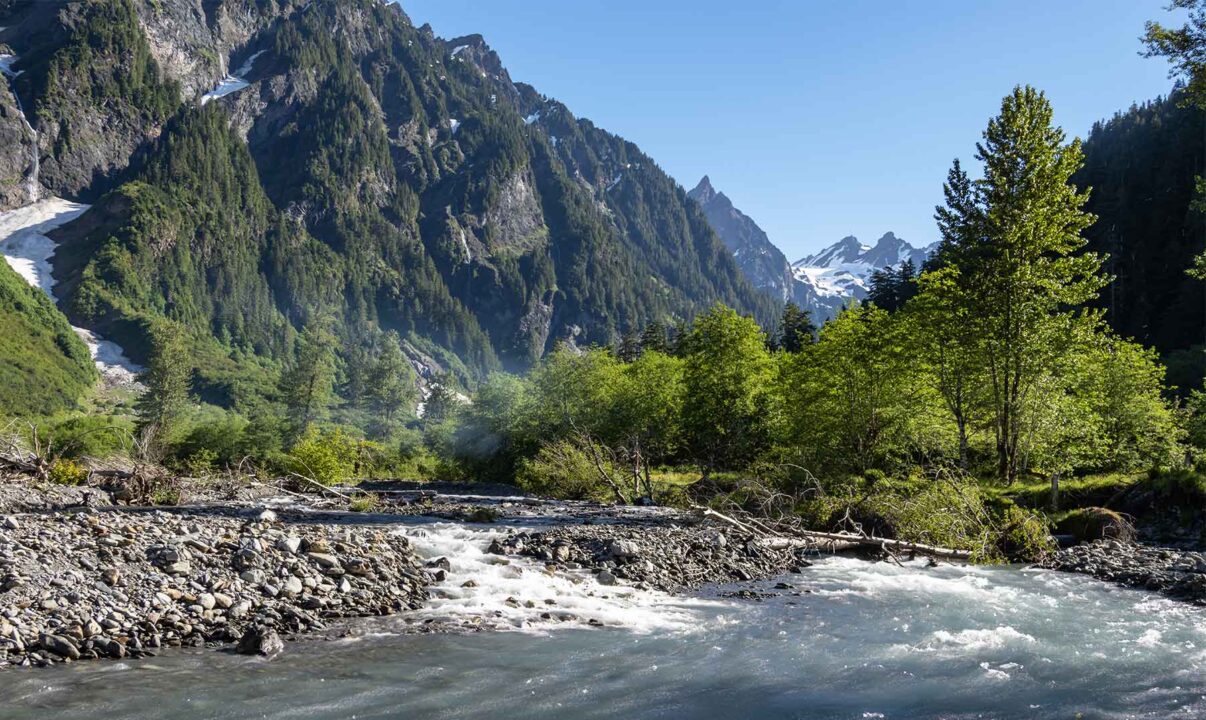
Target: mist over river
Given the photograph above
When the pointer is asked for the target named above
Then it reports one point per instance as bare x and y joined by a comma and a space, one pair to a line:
848, 639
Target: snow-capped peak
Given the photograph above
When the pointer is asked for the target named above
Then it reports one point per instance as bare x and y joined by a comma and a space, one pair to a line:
844, 269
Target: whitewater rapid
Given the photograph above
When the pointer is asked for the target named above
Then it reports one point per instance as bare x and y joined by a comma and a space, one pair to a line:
521, 594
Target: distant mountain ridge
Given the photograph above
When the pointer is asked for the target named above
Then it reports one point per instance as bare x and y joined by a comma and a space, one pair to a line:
822, 282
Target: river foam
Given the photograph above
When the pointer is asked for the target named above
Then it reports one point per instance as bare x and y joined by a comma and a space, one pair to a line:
519, 593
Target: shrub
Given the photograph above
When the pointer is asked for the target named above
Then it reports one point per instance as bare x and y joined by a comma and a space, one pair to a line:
78, 436
64, 471
364, 502
1025, 536
563, 470
328, 457
1095, 523
200, 463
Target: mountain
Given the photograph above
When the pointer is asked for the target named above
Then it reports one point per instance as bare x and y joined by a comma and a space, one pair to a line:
253, 168
762, 263
821, 283
843, 269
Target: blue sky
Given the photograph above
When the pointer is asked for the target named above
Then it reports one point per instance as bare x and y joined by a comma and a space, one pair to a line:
819, 119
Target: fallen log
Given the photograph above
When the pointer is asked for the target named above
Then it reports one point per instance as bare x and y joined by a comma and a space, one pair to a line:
848, 540
890, 544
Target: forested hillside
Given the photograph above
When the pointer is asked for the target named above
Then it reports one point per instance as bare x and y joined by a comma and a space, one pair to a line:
370, 177
44, 367
1141, 166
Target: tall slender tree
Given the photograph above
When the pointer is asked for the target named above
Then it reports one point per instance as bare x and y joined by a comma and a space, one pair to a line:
306, 385
1014, 240
166, 380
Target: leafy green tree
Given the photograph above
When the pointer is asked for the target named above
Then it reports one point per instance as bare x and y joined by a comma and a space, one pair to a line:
166, 380
950, 352
726, 376
306, 385
1125, 383
1184, 47
849, 398
796, 329
1015, 241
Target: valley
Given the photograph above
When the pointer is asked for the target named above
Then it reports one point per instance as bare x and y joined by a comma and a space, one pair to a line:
343, 374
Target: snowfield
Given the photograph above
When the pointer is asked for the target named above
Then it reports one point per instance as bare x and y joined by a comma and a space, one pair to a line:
234, 82
28, 250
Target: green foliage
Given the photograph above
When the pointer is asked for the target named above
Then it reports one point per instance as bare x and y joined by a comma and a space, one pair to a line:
1095, 523
563, 469
850, 401
329, 457
1184, 47
167, 381
93, 436
726, 376
44, 367
795, 329
365, 503
306, 385
1014, 241
64, 471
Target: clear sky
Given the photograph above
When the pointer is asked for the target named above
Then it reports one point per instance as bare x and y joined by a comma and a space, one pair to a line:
819, 119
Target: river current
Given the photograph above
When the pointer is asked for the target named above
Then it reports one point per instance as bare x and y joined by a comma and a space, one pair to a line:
848, 639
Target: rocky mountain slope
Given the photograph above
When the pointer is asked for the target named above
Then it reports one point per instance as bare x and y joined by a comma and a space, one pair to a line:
255, 167
763, 264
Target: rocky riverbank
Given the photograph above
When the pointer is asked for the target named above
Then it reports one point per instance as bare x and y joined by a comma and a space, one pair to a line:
671, 558
98, 583
1180, 574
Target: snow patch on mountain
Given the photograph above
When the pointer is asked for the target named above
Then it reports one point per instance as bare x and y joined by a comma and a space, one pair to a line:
28, 249
843, 270
233, 82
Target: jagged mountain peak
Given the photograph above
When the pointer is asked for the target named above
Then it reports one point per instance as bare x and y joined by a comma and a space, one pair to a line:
703, 192
761, 262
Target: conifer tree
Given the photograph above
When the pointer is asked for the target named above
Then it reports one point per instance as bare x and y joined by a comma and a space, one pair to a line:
306, 385
166, 379
653, 337
629, 348
796, 329
391, 387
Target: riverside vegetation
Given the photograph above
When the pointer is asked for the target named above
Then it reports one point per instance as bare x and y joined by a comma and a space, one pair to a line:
965, 406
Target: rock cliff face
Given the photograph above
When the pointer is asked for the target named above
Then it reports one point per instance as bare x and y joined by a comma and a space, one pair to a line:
372, 173
763, 263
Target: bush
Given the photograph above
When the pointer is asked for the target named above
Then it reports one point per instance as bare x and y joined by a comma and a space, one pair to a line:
64, 471
78, 436
328, 457
1095, 523
365, 502
948, 511
563, 470
1025, 536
